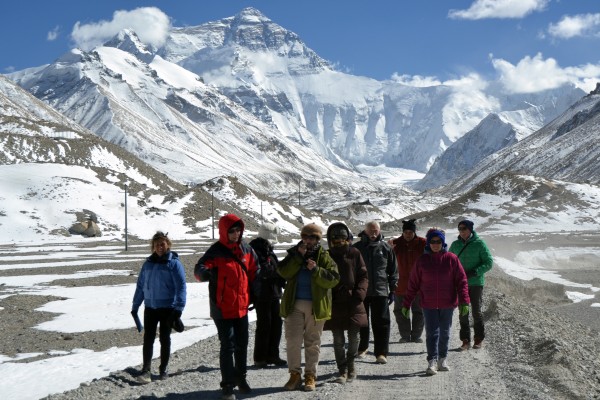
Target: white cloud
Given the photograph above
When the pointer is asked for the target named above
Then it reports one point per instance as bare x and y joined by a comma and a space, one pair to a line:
482, 9
577, 25
533, 74
53, 34
416, 80
149, 23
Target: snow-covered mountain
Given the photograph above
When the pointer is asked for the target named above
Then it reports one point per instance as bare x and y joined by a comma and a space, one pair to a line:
273, 74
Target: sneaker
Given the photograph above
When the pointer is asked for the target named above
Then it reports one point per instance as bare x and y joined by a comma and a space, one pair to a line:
432, 367
418, 340
243, 386
341, 379
381, 359
478, 343
227, 393
361, 354
295, 381
442, 364
404, 340
145, 377
466, 345
309, 383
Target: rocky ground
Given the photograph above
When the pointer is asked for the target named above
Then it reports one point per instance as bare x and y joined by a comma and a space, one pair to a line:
536, 348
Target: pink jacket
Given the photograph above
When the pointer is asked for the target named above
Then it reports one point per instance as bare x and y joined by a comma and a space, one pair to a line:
440, 281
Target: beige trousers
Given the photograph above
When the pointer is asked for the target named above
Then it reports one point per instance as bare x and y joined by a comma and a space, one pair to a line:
301, 327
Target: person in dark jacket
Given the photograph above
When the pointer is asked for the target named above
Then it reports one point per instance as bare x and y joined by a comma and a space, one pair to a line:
477, 260
408, 248
230, 266
383, 278
268, 289
348, 311
440, 281
161, 287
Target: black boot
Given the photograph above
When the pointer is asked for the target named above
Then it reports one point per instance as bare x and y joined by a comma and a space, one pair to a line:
242, 385
227, 393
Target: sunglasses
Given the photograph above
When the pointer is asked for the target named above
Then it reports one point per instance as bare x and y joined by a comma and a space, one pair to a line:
463, 228
435, 242
313, 237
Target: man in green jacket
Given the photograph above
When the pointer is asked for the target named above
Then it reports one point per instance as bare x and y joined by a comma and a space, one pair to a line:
310, 273
476, 260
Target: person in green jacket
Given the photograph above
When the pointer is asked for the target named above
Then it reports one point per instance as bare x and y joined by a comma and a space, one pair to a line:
310, 274
476, 260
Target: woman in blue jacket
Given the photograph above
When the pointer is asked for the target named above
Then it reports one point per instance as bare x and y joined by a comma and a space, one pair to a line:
161, 286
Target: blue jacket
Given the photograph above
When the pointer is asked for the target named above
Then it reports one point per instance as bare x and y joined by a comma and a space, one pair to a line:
161, 283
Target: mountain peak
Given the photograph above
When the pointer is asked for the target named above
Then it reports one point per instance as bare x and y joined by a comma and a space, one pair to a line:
127, 40
251, 13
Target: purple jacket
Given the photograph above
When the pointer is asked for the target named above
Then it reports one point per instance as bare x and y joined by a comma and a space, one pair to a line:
440, 281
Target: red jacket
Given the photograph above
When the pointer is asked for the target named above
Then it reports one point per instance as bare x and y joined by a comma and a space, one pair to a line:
439, 280
229, 268
407, 254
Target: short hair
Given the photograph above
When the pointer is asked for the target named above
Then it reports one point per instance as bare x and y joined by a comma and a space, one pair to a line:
373, 224
160, 236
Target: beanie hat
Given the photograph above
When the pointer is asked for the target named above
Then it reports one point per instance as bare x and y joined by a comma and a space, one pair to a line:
436, 232
467, 223
409, 225
312, 229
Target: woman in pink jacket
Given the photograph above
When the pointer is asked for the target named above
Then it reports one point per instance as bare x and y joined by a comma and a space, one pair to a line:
440, 281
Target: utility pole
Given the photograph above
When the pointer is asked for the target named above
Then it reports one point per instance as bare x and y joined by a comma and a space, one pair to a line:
212, 212
125, 217
299, 182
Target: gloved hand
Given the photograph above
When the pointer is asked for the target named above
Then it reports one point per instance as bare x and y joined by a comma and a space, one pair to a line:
405, 311
463, 310
175, 314
391, 297
471, 273
176, 322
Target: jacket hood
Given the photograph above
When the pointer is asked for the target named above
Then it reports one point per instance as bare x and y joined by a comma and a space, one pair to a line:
226, 222
337, 226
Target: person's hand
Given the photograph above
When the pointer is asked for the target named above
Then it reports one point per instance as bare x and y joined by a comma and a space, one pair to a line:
463, 310
175, 314
405, 311
391, 298
302, 249
471, 273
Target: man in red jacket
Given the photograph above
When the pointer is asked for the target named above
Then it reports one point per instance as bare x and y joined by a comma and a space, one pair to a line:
408, 248
230, 266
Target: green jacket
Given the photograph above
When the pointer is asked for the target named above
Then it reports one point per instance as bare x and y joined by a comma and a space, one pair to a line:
476, 258
324, 277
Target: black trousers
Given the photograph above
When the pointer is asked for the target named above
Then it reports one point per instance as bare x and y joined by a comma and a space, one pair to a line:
268, 331
378, 313
233, 335
476, 296
152, 318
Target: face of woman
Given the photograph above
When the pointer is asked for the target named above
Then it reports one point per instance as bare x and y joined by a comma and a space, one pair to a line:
435, 244
161, 247
233, 234
464, 232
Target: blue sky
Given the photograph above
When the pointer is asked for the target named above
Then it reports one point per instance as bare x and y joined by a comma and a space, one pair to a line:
557, 40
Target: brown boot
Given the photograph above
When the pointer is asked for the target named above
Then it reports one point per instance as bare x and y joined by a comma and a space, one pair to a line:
310, 383
295, 381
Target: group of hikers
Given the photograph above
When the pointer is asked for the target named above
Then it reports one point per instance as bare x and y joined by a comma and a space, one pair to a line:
347, 288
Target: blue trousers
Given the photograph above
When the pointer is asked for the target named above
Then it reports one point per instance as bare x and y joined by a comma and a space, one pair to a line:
437, 330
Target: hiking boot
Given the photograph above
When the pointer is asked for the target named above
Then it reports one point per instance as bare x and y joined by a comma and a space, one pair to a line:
466, 345
227, 393
342, 378
309, 382
381, 359
260, 364
432, 367
442, 364
243, 386
478, 343
295, 381
351, 376
418, 340
145, 377
362, 354
277, 362
163, 375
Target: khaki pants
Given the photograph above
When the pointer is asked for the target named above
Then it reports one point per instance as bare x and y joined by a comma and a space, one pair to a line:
301, 327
